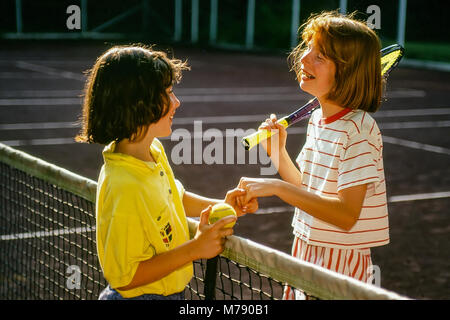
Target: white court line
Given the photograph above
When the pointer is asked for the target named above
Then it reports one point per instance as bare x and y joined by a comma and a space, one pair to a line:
184, 99
39, 142
413, 124
50, 71
232, 132
411, 112
178, 91
228, 98
41, 94
186, 95
416, 145
259, 118
392, 199
39, 125
206, 98
40, 234
6, 75
241, 97
62, 61
270, 210
406, 93
275, 210
41, 102
198, 91
420, 196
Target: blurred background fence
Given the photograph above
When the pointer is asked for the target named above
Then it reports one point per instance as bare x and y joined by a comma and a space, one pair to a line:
265, 25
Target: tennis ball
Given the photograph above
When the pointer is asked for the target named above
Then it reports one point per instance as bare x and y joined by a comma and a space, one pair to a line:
222, 210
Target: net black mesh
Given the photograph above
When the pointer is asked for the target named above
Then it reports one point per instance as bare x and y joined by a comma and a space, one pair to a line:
237, 282
48, 251
47, 241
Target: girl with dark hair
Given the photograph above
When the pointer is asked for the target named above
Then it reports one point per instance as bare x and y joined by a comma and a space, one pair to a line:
143, 241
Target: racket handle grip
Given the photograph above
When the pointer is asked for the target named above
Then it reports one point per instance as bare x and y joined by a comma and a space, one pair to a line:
255, 138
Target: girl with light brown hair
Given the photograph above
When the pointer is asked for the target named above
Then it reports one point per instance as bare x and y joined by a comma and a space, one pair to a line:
337, 187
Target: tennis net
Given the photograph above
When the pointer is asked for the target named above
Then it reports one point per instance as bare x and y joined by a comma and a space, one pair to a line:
47, 247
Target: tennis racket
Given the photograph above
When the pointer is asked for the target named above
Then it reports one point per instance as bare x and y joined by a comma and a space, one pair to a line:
390, 57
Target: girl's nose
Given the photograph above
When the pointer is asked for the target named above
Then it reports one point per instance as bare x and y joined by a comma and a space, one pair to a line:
176, 102
305, 57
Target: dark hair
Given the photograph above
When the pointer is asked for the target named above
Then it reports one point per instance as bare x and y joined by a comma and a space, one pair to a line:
355, 50
126, 91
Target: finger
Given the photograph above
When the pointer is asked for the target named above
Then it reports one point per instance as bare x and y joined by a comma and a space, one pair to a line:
253, 205
235, 192
222, 248
241, 182
226, 232
273, 117
239, 201
224, 221
239, 212
204, 215
242, 202
278, 125
273, 126
248, 199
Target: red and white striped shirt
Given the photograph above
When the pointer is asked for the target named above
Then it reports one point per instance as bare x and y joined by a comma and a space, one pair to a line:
343, 151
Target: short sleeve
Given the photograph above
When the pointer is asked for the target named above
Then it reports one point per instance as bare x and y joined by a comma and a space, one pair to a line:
180, 188
125, 242
358, 163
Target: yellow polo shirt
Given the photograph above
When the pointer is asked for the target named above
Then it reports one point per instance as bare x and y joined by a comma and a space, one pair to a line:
139, 214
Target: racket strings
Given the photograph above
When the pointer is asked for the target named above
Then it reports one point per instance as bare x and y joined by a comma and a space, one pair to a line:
390, 60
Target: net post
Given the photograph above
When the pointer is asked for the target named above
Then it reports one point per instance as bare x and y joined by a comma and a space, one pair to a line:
19, 16
401, 22
178, 20
210, 278
250, 29
213, 22
295, 22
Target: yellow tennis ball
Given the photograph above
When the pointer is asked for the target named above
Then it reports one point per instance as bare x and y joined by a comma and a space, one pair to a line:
222, 210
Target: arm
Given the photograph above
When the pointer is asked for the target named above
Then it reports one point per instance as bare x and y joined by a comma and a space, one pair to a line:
208, 242
194, 203
287, 169
342, 211
161, 265
275, 147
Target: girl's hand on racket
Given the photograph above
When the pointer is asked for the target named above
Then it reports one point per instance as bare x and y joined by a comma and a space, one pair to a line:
210, 238
278, 140
236, 199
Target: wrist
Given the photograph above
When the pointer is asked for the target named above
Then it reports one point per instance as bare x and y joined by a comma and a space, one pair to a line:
275, 186
284, 155
192, 249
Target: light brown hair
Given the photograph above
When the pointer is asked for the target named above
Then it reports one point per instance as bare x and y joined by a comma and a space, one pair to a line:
355, 50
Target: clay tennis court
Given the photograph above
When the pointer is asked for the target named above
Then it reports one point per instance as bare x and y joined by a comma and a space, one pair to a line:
40, 88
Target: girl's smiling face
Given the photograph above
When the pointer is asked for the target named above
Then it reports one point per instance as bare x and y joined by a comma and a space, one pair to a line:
317, 72
163, 127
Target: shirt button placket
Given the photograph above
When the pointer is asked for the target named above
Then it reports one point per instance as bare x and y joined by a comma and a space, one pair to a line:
161, 173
